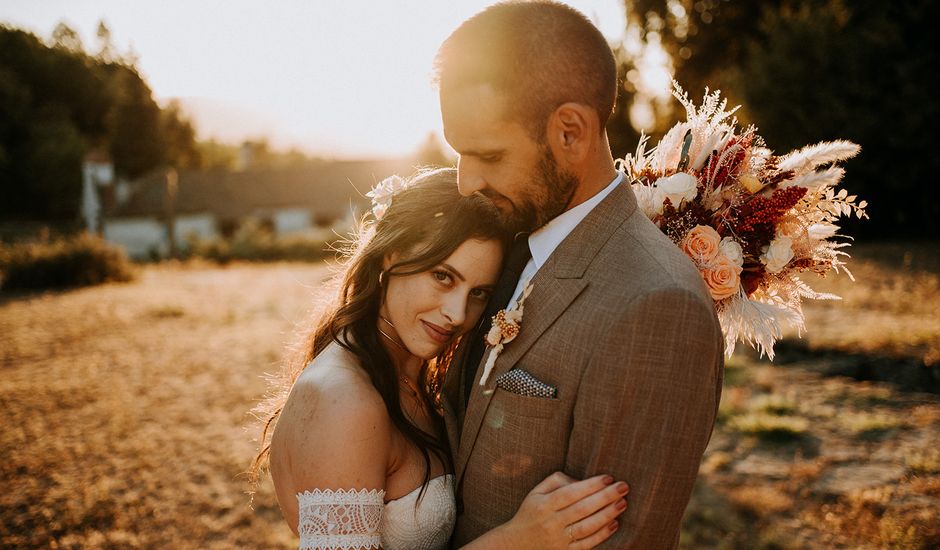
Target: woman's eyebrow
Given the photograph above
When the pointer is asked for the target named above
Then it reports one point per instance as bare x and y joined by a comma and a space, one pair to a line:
454, 271
460, 276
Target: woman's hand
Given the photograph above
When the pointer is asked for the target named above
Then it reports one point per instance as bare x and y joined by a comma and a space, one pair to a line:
561, 512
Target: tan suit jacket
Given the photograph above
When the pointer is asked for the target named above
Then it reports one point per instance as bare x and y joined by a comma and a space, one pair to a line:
620, 322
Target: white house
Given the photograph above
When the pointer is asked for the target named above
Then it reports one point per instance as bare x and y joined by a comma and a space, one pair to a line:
210, 203
97, 174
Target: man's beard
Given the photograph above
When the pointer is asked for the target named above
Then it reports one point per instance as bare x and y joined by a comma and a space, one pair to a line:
548, 195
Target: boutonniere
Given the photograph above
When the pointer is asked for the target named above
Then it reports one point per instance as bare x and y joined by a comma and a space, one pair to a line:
505, 328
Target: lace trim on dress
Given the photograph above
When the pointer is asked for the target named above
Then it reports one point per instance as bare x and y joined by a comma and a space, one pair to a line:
341, 519
410, 524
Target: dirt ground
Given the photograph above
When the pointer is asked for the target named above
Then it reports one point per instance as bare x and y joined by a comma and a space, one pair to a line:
126, 424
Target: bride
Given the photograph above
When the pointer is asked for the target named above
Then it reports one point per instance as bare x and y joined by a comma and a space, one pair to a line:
357, 448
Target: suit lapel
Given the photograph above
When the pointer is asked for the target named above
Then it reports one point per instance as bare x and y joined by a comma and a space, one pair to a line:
556, 285
549, 298
452, 392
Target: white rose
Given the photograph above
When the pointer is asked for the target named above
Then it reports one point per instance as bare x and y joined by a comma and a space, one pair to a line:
732, 250
677, 188
778, 254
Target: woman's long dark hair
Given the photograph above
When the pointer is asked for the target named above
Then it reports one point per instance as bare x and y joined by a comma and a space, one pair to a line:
424, 224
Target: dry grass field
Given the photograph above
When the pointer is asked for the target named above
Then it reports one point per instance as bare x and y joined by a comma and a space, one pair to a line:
126, 426
125, 408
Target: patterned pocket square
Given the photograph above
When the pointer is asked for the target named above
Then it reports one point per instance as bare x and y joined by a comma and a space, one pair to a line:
521, 382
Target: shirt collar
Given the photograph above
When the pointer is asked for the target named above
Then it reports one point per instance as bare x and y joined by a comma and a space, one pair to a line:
546, 239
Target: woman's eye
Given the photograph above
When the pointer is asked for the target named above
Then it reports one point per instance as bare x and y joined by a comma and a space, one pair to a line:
441, 276
480, 294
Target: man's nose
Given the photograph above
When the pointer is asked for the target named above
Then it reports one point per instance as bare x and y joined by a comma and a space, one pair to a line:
469, 181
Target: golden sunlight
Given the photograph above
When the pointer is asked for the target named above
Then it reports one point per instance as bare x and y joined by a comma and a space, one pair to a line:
332, 78
652, 79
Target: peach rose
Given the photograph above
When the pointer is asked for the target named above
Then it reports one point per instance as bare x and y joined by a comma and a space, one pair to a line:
701, 244
722, 277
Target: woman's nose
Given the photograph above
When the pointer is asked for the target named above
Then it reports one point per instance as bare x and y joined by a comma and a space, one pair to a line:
454, 308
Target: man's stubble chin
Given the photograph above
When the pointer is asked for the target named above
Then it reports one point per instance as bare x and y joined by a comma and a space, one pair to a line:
548, 195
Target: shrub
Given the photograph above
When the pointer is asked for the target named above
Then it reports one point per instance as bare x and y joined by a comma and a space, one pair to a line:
923, 462
737, 373
255, 244
774, 404
770, 427
66, 262
870, 424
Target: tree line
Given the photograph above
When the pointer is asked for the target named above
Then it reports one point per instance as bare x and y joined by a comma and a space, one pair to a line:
58, 102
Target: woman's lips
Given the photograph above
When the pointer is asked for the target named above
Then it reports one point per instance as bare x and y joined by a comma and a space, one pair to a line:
438, 334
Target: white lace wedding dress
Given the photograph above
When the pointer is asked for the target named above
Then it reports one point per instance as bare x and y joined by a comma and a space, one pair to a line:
356, 520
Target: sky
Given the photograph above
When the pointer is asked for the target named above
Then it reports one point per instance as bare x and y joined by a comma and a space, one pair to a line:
342, 78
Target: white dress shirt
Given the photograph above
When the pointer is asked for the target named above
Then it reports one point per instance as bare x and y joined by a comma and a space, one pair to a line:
546, 239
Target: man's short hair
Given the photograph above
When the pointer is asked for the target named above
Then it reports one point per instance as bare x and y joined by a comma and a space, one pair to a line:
541, 54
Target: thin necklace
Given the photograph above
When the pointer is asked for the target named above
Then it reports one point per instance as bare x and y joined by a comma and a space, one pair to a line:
389, 338
408, 383
411, 387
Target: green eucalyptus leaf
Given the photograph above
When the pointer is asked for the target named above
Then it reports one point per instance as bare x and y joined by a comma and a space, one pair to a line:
686, 145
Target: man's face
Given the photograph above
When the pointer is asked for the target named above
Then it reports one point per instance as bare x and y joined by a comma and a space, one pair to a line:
500, 160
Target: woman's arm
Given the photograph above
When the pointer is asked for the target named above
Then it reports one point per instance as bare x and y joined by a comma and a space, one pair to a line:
561, 512
329, 454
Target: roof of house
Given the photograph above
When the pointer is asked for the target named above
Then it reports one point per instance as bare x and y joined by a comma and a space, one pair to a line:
329, 188
98, 156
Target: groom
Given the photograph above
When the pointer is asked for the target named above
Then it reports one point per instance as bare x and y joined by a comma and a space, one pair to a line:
618, 363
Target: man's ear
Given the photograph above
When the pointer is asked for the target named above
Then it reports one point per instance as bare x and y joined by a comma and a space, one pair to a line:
571, 130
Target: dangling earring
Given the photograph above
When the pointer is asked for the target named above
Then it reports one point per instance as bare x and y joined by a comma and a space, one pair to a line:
382, 278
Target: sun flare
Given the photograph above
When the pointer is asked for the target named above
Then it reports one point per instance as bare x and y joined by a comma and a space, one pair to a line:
336, 78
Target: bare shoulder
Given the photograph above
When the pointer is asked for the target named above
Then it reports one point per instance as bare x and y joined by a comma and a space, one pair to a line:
334, 388
334, 431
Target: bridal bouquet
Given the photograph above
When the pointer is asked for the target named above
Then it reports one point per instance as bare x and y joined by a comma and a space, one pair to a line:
751, 221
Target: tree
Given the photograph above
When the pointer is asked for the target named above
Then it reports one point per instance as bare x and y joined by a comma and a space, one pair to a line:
431, 153
57, 103
65, 37
862, 71
52, 160
15, 99
107, 52
134, 125
215, 155
704, 38
621, 133
180, 137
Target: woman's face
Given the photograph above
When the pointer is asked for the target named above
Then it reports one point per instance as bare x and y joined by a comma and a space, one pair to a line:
431, 308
